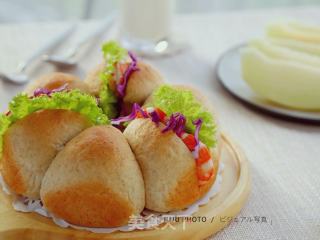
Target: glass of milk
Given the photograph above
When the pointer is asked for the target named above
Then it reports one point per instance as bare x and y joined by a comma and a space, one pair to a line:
145, 25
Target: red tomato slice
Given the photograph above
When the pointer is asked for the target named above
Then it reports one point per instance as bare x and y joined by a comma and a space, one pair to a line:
162, 115
190, 142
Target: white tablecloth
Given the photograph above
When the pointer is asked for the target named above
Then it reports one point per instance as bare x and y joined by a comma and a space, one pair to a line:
284, 156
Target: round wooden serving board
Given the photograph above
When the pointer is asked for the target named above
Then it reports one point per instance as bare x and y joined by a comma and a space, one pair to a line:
218, 212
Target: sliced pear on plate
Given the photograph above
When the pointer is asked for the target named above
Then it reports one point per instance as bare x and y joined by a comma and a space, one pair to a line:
310, 48
289, 83
282, 53
305, 27
295, 31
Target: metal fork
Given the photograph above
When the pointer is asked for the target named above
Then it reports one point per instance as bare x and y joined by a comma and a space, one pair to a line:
68, 59
20, 77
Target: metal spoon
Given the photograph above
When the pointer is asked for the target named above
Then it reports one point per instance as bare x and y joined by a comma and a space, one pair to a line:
20, 77
67, 60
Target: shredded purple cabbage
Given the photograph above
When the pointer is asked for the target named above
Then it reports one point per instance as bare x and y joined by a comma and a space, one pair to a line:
155, 117
176, 123
45, 91
135, 109
198, 124
133, 66
41, 91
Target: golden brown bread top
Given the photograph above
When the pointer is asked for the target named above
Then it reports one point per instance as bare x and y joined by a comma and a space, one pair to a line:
55, 80
180, 196
31, 143
93, 79
89, 204
167, 165
140, 85
98, 161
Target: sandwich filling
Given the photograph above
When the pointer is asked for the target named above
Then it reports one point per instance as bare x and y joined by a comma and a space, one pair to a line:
120, 64
43, 99
176, 122
172, 100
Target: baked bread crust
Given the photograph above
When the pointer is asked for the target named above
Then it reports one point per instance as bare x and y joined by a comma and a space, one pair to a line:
167, 165
140, 85
95, 180
93, 79
31, 143
55, 80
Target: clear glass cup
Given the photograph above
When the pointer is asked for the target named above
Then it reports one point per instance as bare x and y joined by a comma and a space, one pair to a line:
145, 26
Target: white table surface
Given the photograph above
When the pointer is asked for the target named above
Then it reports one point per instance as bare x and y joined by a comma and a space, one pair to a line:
284, 156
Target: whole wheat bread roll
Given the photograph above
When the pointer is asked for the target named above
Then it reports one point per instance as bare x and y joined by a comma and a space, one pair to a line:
140, 85
93, 79
55, 80
95, 180
31, 144
167, 165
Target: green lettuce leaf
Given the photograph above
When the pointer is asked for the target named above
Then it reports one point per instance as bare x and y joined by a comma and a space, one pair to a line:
112, 53
21, 106
4, 125
172, 100
107, 99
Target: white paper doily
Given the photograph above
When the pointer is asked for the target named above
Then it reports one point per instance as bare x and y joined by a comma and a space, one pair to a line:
148, 219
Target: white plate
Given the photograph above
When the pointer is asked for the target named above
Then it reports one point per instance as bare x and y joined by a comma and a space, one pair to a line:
229, 74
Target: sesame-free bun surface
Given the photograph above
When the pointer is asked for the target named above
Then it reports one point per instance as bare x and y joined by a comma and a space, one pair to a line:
93, 79
95, 180
167, 165
30, 145
140, 85
55, 80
